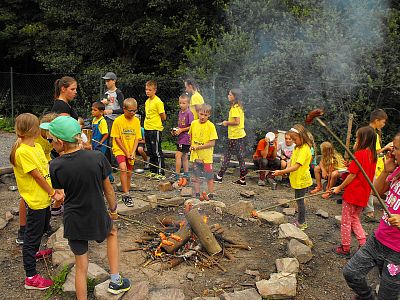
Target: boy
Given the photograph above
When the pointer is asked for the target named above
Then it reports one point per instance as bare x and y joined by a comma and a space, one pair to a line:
377, 121
99, 128
113, 100
196, 100
126, 134
153, 127
141, 149
84, 177
203, 136
185, 118
265, 155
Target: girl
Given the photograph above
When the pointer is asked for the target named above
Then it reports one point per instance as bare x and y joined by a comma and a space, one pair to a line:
236, 136
356, 189
328, 167
196, 100
299, 169
383, 247
31, 171
64, 93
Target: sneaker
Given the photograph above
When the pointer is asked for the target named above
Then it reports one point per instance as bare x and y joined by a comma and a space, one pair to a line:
117, 288
56, 211
43, 253
37, 282
240, 182
20, 237
217, 178
173, 177
303, 226
340, 251
112, 180
127, 200
159, 177
211, 196
261, 182
150, 175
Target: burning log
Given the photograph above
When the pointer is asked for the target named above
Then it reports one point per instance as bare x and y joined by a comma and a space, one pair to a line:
203, 232
183, 235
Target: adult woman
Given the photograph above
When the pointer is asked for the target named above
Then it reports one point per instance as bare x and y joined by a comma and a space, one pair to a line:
64, 93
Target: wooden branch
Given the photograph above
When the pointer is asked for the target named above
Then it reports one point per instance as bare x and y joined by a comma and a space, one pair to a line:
184, 234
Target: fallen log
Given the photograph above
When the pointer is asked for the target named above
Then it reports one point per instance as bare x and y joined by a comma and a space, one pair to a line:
203, 232
184, 234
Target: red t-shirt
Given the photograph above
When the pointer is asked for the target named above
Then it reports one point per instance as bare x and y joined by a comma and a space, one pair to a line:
357, 192
261, 147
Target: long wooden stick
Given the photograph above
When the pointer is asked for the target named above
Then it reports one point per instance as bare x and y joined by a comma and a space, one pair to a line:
348, 136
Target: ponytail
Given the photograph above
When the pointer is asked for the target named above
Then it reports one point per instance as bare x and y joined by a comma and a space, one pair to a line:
65, 82
13, 150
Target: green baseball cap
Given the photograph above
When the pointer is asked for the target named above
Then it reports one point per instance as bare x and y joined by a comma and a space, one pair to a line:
64, 128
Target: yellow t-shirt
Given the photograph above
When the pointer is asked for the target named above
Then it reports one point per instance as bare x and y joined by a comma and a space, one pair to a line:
102, 125
301, 178
200, 134
380, 163
237, 131
46, 146
196, 99
127, 131
153, 110
27, 159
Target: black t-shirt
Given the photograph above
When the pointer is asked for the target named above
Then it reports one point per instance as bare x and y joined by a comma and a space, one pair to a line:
81, 175
61, 107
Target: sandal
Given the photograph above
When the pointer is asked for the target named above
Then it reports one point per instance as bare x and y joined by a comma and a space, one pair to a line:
316, 190
326, 195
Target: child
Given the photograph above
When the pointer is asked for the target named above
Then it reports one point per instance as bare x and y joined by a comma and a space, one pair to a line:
377, 121
84, 177
313, 154
285, 150
185, 118
85, 143
99, 128
31, 171
153, 127
357, 189
126, 134
299, 169
203, 136
265, 155
236, 135
383, 247
328, 167
196, 99
141, 148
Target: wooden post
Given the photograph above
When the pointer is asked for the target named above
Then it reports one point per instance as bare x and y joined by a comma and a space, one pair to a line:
348, 137
207, 239
184, 233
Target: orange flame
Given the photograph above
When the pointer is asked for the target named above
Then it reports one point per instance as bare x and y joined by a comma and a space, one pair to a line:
205, 219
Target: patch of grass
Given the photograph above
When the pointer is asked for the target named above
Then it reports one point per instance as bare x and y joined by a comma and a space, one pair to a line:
6, 124
91, 283
168, 145
58, 281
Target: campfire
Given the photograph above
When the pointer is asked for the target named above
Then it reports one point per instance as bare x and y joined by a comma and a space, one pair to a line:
191, 240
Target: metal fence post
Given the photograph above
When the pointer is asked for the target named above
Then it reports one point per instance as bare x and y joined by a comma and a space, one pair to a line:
12, 93
213, 97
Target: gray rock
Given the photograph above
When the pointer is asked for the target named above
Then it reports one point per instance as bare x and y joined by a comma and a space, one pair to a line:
7, 178
288, 230
290, 211
322, 213
249, 294
299, 251
279, 286
101, 293
272, 217
15, 211
139, 206
9, 216
62, 257
248, 194
138, 291
287, 265
252, 272
206, 298
338, 220
94, 272
241, 209
152, 200
212, 203
3, 223
186, 192
190, 276
167, 294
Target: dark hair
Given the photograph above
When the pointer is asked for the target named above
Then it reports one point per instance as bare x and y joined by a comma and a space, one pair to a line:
366, 140
237, 93
192, 82
99, 105
378, 114
65, 82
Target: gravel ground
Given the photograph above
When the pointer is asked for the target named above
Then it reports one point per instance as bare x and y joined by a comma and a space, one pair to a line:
6, 142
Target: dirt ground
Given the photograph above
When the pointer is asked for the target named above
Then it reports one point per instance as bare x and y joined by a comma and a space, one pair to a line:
320, 278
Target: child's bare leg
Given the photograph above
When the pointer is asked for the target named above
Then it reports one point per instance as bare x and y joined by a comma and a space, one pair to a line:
82, 262
129, 177
124, 177
178, 161
317, 174
112, 251
210, 185
196, 184
332, 182
142, 153
185, 162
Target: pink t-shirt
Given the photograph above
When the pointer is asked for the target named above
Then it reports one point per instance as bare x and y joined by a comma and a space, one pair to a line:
386, 234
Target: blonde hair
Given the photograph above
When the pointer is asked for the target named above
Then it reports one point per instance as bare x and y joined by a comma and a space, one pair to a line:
26, 125
205, 108
151, 83
303, 133
130, 102
47, 118
330, 157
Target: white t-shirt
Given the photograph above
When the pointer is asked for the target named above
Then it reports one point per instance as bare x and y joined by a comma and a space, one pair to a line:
286, 150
